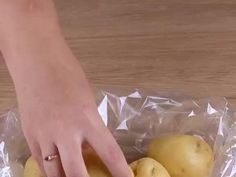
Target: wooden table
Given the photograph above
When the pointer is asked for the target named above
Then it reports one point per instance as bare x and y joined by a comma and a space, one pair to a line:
174, 45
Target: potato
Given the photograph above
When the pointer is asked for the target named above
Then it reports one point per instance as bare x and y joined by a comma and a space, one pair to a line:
32, 169
94, 165
182, 155
148, 167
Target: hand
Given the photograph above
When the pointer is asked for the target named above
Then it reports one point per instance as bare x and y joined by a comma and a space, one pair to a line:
58, 115
58, 111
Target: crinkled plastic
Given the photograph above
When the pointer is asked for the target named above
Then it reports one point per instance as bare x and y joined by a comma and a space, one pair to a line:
135, 118
13, 147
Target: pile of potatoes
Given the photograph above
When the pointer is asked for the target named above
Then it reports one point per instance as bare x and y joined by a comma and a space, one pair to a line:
168, 156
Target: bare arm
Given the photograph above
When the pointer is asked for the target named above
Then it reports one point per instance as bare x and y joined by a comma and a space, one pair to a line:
56, 105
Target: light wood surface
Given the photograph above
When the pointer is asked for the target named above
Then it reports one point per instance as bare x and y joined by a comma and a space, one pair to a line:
174, 45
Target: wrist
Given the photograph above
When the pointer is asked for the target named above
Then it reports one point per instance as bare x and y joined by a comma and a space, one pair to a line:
47, 77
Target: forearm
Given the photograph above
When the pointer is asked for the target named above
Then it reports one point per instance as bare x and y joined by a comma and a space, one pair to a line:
33, 37
38, 57
36, 52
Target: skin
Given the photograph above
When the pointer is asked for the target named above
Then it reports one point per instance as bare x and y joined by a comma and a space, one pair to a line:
57, 108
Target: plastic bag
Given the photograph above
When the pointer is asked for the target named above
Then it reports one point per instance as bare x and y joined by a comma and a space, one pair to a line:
135, 118
13, 147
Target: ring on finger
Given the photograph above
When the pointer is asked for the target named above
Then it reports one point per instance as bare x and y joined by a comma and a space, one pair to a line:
51, 157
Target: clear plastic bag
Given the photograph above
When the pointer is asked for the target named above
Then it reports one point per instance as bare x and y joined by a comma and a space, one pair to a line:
135, 118
13, 147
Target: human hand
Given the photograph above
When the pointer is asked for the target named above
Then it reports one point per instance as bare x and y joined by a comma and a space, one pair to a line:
58, 115
58, 111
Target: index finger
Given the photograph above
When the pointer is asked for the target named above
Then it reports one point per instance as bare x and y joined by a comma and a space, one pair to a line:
110, 153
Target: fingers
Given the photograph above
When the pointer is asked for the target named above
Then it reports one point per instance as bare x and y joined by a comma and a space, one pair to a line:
52, 168
109, 151
72, 160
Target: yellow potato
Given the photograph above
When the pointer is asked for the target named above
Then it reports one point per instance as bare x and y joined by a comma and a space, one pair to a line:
32, 169
94, 165
148, 167
183, 155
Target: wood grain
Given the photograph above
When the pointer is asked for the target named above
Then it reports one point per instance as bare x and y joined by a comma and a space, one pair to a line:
174, 45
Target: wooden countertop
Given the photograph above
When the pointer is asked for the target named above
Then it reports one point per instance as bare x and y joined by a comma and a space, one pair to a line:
174, 45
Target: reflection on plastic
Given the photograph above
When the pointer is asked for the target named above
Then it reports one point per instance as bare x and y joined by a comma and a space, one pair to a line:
102, 109
135, 118
13, 147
